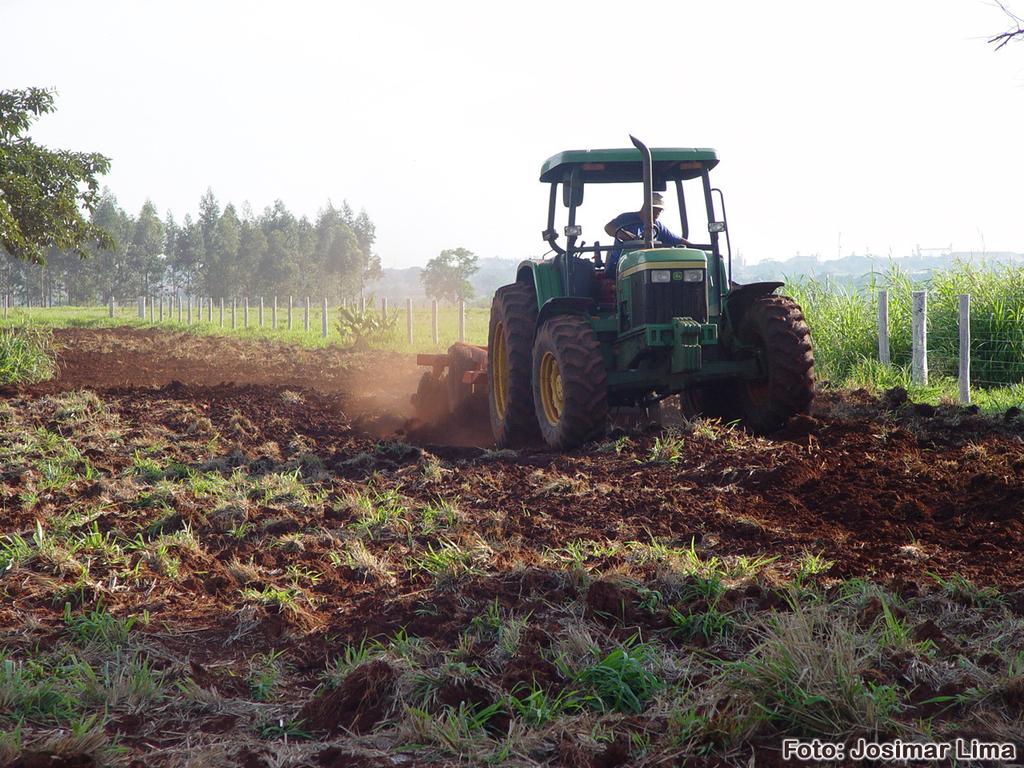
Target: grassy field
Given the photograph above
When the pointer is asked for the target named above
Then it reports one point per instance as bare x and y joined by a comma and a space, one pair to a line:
97, 317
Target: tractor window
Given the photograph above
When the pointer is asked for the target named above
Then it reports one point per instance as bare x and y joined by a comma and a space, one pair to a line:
696, 211
603, 202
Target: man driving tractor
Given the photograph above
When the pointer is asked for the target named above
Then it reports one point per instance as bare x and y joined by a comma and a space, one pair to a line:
630, 226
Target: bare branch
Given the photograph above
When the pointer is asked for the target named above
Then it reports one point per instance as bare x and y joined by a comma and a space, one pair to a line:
1014, 32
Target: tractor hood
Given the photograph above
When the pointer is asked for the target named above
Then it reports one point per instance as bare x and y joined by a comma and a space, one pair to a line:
661, 258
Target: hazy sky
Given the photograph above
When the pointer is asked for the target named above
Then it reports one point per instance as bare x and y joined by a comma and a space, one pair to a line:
891, 122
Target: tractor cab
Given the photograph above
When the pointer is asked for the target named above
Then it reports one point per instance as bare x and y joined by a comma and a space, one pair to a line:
582, 266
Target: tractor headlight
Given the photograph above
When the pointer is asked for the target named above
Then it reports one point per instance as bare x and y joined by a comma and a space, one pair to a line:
693, 275
661, 275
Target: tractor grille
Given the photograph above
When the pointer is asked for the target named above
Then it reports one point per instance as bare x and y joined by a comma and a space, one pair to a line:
660, 302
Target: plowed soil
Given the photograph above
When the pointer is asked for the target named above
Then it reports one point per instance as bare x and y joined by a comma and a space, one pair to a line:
264, 456
882, 489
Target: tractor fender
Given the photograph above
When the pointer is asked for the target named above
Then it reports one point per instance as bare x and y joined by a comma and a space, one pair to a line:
740, 297
563, 305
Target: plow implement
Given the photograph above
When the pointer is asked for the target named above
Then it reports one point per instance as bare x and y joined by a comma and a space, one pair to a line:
455, 385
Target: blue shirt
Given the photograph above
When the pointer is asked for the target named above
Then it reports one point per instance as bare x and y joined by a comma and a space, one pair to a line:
633, 222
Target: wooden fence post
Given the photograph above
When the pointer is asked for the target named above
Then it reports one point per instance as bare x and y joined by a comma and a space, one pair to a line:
883, 327
462, 320
234, 302
964, 374
110, 311
918, 323
323, 319
408, 320
305, 317
433, 321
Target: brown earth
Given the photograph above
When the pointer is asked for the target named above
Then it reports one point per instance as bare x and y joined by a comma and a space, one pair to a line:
878, 488
881, 490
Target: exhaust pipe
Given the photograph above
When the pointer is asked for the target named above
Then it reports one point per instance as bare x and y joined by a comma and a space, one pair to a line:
647, 163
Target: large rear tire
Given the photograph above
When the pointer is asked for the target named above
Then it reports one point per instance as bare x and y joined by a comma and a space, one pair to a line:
510, 365
570, 392
775, 326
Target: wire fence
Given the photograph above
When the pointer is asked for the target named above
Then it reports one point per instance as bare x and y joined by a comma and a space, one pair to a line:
979, 349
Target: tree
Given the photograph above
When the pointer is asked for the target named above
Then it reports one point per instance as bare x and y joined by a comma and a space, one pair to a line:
146, 250
447, 276
42, 200
1014, 32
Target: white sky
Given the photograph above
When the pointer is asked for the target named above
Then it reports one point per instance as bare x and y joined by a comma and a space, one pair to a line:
892, 122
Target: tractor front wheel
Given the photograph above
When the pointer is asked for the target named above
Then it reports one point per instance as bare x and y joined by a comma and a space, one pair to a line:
776, 328
509, 360
569, 388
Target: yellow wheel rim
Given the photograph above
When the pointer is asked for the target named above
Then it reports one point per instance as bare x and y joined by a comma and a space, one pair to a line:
551, 395
499, 369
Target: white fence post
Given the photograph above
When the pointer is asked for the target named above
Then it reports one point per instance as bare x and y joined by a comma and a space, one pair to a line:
408, 320
151, 302
234, 304
323, 319
965, 349
289, 313
305, 317
433, 321
161, 309
384, 309
462, 320
919, 322
142, 307
110, 310
261, 312
221, 311
883, 327
179, 309
273, 315
245, 312
188, 317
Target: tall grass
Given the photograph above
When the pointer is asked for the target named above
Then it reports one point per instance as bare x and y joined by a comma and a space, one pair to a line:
25, 355
843, 323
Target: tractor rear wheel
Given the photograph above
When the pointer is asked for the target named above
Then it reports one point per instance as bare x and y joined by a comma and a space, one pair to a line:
776, 328
509, 365
569, 389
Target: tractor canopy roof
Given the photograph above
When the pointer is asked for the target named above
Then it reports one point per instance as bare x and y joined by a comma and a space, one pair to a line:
605, 166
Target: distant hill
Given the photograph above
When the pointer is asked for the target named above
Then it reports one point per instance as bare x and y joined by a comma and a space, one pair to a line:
856, 269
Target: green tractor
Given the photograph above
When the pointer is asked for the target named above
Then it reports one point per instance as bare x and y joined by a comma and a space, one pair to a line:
568, 344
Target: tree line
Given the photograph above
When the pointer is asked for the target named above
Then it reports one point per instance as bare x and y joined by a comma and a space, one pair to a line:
222, 252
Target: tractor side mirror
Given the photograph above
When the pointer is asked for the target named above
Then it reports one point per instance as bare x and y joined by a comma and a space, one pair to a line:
572, 189
716, 226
